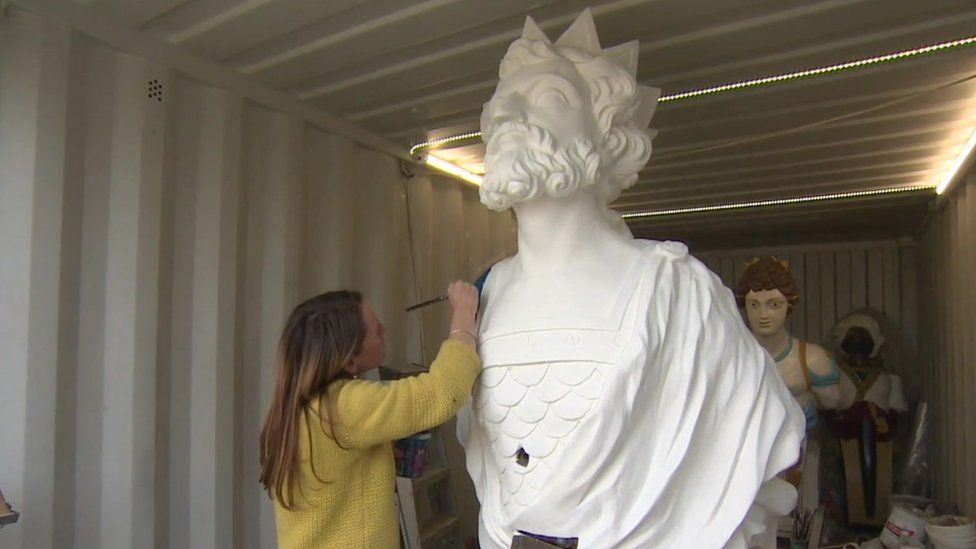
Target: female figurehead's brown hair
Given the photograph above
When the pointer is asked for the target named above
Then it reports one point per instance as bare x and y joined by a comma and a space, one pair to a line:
320, 339
766, 273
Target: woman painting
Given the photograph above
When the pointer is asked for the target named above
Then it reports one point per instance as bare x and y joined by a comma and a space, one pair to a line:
326, 457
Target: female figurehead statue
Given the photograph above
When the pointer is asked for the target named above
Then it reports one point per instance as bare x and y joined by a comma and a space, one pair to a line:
767, 292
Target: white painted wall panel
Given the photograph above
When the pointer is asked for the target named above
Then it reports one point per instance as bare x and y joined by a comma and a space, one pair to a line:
150, 251
947, 310
92, 183
32, 99
131, 301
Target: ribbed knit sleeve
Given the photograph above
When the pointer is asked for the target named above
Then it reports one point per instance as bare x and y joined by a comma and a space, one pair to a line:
371, 412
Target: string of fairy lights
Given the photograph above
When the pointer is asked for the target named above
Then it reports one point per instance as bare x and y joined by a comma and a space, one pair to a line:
443, 165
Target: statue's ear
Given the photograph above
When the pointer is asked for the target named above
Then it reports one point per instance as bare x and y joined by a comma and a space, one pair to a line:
753, 261
784, 262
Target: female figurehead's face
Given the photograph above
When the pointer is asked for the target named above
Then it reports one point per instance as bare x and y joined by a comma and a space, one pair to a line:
374, 344
767, 311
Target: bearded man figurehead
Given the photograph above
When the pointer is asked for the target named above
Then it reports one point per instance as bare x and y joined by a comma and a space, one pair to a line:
622, 402
567, 116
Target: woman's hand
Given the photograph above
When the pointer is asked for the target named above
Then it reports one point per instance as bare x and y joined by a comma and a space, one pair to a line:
464, 305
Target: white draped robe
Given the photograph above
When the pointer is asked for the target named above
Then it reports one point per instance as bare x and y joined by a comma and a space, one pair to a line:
657, 421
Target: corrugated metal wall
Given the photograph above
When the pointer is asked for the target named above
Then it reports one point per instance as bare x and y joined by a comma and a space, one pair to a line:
836, 279
948, 343
154, 234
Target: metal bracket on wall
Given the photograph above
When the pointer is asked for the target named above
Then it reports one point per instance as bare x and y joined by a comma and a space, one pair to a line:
407, 169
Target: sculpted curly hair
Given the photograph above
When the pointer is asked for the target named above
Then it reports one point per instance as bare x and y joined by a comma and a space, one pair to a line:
766, 274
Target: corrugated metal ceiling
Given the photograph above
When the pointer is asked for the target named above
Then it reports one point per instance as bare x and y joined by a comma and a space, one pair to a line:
416, 70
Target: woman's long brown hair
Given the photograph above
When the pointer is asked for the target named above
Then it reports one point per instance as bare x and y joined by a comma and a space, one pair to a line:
320, 338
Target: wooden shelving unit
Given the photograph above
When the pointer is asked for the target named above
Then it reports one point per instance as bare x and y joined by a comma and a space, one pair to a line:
428, 517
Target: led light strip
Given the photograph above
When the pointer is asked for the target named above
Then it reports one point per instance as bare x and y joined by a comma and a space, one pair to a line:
823, 70
443, 140
758, 81
950, 175
777, 202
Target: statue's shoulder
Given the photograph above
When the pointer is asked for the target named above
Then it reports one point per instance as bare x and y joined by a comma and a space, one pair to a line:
500, 270
671, 258
818, 360
666, 250
673, 271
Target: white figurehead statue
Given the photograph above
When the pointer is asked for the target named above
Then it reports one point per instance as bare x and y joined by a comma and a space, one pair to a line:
623, 403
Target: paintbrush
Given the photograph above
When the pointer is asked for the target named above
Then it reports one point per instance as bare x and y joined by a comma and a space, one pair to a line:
479, 284
426, 303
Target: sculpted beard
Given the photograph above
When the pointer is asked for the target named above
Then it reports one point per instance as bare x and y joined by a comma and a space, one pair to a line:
523, 160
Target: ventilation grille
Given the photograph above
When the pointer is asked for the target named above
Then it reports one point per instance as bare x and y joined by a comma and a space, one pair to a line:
155, 90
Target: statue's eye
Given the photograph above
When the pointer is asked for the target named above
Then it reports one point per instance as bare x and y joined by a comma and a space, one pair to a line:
552, 96
553, 91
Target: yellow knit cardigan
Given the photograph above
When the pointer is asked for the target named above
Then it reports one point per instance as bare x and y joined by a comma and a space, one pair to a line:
354, 507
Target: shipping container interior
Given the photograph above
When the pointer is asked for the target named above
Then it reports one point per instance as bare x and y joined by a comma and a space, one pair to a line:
176, 175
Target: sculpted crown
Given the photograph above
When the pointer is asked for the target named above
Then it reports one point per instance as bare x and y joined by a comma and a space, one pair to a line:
579, 44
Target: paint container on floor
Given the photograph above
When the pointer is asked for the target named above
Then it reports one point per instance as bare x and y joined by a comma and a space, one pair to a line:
903, 522
951, 532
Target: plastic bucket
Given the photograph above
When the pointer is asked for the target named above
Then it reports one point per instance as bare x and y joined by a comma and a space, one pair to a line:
410, 455
903, 522
951, 532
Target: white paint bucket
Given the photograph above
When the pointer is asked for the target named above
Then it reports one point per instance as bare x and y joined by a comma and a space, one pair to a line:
950, 532
903, 522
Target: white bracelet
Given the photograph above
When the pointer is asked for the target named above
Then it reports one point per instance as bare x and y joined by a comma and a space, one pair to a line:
470, 333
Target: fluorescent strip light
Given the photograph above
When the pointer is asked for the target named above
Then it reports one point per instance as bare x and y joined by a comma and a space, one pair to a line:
866, 62
776, 202
950, 175
456, 171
